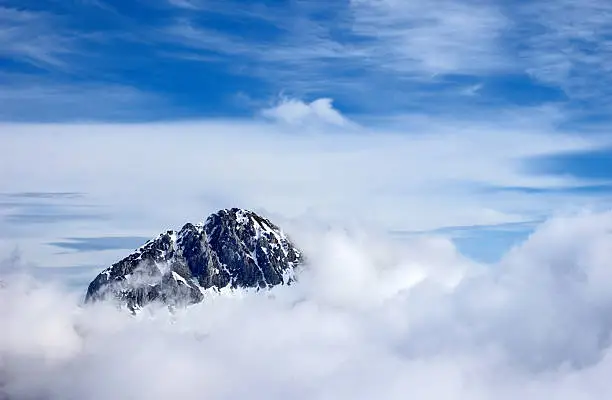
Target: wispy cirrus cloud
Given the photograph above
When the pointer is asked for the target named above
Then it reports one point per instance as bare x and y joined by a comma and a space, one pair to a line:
569, 44
34, 37
50, 71
412, 38
437, 37
408, 51
372, 57
43, 195
34, 100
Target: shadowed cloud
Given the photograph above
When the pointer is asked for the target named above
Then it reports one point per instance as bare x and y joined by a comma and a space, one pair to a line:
44, 213
100, 243
44, 195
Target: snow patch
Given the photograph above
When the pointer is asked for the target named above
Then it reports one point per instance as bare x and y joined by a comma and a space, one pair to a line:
179, 278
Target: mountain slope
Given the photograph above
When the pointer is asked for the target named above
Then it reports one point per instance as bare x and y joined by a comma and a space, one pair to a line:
233, 248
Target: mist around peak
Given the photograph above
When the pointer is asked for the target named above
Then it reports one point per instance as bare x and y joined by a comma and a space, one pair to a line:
369, 318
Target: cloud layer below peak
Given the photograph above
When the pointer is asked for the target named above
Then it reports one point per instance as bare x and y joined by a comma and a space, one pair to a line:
368, 318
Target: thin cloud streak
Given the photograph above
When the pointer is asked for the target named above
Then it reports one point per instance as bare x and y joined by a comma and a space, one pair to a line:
30, 99
572, 43
437, 37
381, 36
34, 37
433, 55
414, 43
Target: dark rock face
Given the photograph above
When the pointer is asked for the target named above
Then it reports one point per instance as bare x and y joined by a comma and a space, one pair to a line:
233, 248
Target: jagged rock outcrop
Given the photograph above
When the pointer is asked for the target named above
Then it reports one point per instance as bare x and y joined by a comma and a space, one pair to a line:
233, 248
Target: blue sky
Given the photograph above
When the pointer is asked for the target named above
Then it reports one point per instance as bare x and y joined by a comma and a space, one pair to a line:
199, 58
468, 113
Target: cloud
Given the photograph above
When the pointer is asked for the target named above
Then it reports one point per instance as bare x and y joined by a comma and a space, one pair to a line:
101, 243
438, 37
26, 98
33, 37
389, 176
570, 45
409, 38
46, 208
370, 56
44, 195
472, 90
294, 111
368, 319
188, 4
379, 55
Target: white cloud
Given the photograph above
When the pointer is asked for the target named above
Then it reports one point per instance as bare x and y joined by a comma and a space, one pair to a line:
396, 53
472, 90
188, 4
34, 37
436, 37
570, 46
420, 174
295, 111
535, 326
410, 38
375, 54
25, 98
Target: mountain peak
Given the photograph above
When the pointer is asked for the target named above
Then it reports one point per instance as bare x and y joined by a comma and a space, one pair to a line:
233, 248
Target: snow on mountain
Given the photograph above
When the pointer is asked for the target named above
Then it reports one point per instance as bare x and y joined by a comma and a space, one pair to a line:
233, 248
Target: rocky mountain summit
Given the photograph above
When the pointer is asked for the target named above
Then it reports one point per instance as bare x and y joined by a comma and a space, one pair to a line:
233, 248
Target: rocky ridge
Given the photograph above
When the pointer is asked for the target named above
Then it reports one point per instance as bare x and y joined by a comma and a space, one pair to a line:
234, 248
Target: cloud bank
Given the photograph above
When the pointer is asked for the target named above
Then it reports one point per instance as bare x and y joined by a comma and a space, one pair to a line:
415, 173
369, 319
